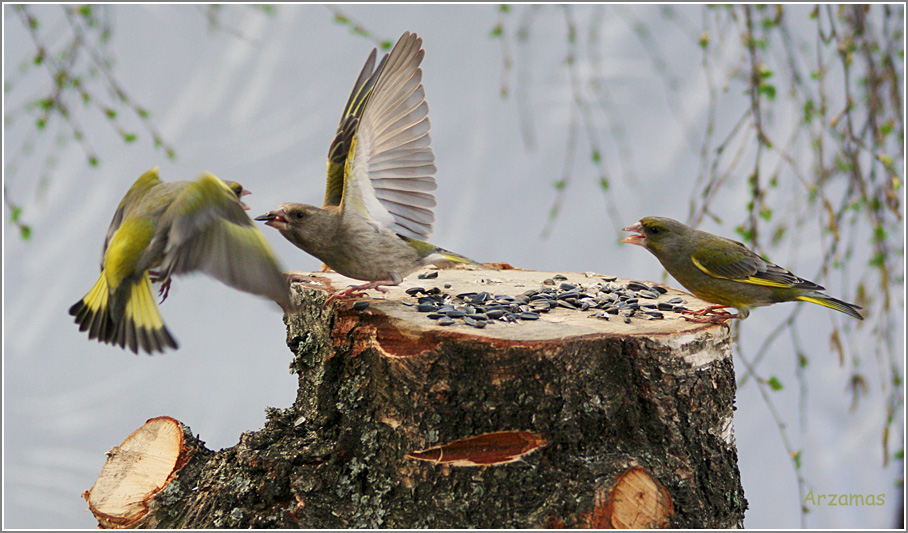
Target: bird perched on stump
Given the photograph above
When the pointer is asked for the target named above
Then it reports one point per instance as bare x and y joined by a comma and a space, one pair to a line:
161, 229
377, 212
724, 272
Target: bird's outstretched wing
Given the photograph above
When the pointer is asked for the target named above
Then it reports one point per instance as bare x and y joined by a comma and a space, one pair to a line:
389, 173
209, 231
340, 146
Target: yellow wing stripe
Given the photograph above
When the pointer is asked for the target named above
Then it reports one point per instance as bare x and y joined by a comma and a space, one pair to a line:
750, 279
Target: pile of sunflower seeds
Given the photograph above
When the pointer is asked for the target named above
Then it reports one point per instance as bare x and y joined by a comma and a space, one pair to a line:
606, 298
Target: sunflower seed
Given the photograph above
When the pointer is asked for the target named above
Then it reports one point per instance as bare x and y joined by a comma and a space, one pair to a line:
445, 321
428, 275
359, 306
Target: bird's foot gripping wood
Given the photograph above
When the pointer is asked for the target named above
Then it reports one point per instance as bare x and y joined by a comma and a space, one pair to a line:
718, 313
356, 291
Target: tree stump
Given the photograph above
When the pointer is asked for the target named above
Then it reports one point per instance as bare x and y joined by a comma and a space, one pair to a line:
545, 415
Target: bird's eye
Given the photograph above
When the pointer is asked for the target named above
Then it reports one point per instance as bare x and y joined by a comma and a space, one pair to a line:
654, 230
299, 214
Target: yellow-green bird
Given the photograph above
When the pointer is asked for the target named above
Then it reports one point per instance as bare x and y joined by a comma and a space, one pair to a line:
723, 271
161, 229
377, 212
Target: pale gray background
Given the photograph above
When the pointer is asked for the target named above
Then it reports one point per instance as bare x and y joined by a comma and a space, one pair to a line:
262, 111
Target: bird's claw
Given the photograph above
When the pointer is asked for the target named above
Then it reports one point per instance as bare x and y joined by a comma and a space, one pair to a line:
356, 291
699, 316
157, 277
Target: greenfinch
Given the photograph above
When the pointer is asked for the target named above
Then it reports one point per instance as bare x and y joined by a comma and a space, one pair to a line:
723, 271
377, 212
161, 229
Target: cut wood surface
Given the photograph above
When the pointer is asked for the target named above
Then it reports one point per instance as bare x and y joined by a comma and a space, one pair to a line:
559, 323
553, 419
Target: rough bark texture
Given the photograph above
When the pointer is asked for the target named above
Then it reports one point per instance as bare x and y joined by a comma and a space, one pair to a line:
585, 415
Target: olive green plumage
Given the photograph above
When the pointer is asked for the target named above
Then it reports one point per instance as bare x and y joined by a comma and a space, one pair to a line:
723, 271
377, 212
161, 229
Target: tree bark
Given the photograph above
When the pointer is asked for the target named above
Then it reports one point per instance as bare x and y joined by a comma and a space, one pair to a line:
567, 420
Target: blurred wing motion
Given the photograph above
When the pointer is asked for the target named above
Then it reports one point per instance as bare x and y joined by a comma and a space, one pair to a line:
390, 168
162, 229
212, 233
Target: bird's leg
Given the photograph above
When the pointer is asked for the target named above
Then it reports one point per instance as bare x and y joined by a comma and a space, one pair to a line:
700, 315
356, 291
157, 277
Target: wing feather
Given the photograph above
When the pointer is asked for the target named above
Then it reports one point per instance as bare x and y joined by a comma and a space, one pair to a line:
210, 232
745, 266
390, 168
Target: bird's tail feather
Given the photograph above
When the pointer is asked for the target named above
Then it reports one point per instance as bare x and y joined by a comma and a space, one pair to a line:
832, 303
140, 324
92, 312
455, 258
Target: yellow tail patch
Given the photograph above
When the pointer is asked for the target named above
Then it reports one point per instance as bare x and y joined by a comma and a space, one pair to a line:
141, 308
456, 258
98, 298
832, 303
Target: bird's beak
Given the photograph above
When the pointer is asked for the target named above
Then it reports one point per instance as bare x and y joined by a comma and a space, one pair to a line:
275, 219
638, 239
242, 203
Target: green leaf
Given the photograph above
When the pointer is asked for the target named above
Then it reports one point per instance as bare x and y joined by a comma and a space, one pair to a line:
774, 384
25, 231
496, 32
767, 90
93, 160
